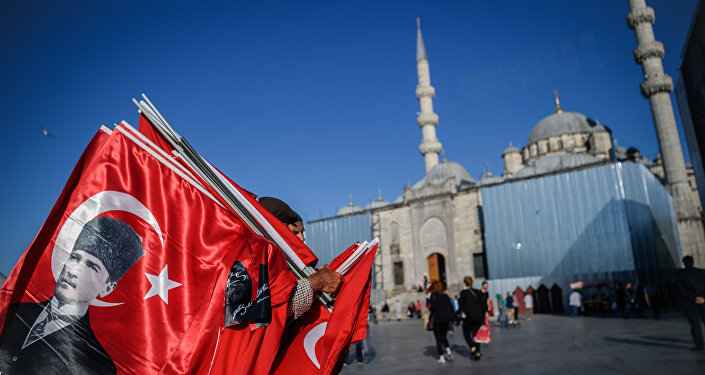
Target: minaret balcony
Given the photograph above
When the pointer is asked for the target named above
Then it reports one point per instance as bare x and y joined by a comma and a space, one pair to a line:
648, 50
430, 146
425, 119
656, 84
640, 15
425, 92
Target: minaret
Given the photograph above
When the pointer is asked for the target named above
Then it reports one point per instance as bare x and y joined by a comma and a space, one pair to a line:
657, 87
430, 146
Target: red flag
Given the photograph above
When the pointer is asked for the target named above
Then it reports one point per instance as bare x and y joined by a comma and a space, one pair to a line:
306, 256
130, 272
145, 127
14, 281
320, 337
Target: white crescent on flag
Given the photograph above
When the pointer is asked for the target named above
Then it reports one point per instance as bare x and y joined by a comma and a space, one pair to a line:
311, 339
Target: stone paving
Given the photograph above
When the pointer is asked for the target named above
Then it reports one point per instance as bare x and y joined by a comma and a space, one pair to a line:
548, 344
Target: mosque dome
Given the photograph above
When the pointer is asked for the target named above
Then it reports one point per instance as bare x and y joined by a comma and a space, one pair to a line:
511, 149
553, 163
599, 128
378, 203
488, 179
351, 208
560, 123
447, 169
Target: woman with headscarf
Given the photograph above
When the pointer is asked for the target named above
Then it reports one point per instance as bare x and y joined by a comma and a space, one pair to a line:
441, 315
474, 304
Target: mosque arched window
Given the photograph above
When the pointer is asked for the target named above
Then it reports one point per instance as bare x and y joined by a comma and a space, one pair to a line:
394, 247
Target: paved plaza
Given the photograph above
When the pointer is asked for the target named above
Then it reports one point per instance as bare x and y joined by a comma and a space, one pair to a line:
548, 344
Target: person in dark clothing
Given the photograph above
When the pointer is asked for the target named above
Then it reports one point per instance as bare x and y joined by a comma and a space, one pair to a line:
474, 304
691, 292
441, 315
629, 302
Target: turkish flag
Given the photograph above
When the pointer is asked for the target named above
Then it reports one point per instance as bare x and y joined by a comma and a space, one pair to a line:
149, 299
320, 337
266, 219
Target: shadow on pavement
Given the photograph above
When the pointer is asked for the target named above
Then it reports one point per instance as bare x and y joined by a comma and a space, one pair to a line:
669, 339
642, 342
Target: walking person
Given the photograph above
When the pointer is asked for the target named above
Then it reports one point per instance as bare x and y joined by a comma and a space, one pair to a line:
691, 293
441, 315
474, 304
529, 305
502, 317
509, 306
629, 303
575, 300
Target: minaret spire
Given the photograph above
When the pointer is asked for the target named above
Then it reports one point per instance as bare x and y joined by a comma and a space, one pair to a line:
427, 120
657, 87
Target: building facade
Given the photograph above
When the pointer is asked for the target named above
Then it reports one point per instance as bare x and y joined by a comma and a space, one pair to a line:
569, 206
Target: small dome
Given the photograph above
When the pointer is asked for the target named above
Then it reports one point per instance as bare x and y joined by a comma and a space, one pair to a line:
378, 203
599, 128
447, 169
558, 124
552, 163
351, 208
489, 179
511, 149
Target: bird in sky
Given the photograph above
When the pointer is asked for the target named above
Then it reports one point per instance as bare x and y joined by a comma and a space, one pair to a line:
46, 132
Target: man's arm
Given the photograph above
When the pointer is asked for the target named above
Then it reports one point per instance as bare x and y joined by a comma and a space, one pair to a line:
301, 298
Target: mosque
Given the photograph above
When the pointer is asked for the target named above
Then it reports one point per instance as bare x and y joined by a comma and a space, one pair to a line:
568, 207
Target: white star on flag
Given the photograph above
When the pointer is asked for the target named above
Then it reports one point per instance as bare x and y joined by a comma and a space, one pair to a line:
161, 285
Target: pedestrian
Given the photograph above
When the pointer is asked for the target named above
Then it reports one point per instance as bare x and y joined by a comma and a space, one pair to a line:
509, 306
575, 301
418, 309
441, 316
502, 318
397, 309
529, 305
628, 305
474, 304
385, 311
691, 290
515, 304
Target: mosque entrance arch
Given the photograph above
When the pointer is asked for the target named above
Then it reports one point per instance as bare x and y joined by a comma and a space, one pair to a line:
437, 267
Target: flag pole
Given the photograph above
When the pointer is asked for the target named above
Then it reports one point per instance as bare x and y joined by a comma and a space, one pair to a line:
206, 172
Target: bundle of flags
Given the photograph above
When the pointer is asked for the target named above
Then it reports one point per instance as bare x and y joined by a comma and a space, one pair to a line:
152, 261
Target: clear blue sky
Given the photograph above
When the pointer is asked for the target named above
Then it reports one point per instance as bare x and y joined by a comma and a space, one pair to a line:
309, 101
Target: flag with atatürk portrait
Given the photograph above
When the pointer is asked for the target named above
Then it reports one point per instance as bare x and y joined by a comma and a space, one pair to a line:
130, 270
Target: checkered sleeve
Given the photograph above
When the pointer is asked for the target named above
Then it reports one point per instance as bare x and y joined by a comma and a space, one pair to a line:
301, 299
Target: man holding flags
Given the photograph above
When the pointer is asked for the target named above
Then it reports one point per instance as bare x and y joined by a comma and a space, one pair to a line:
192, 297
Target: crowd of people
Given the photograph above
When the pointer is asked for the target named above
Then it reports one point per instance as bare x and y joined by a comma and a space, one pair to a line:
472, 307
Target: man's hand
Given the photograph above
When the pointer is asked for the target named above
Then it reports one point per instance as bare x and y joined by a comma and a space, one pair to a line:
699, 300
325, 280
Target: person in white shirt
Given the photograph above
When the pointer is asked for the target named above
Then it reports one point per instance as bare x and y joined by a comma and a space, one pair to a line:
529, 305
575, 302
